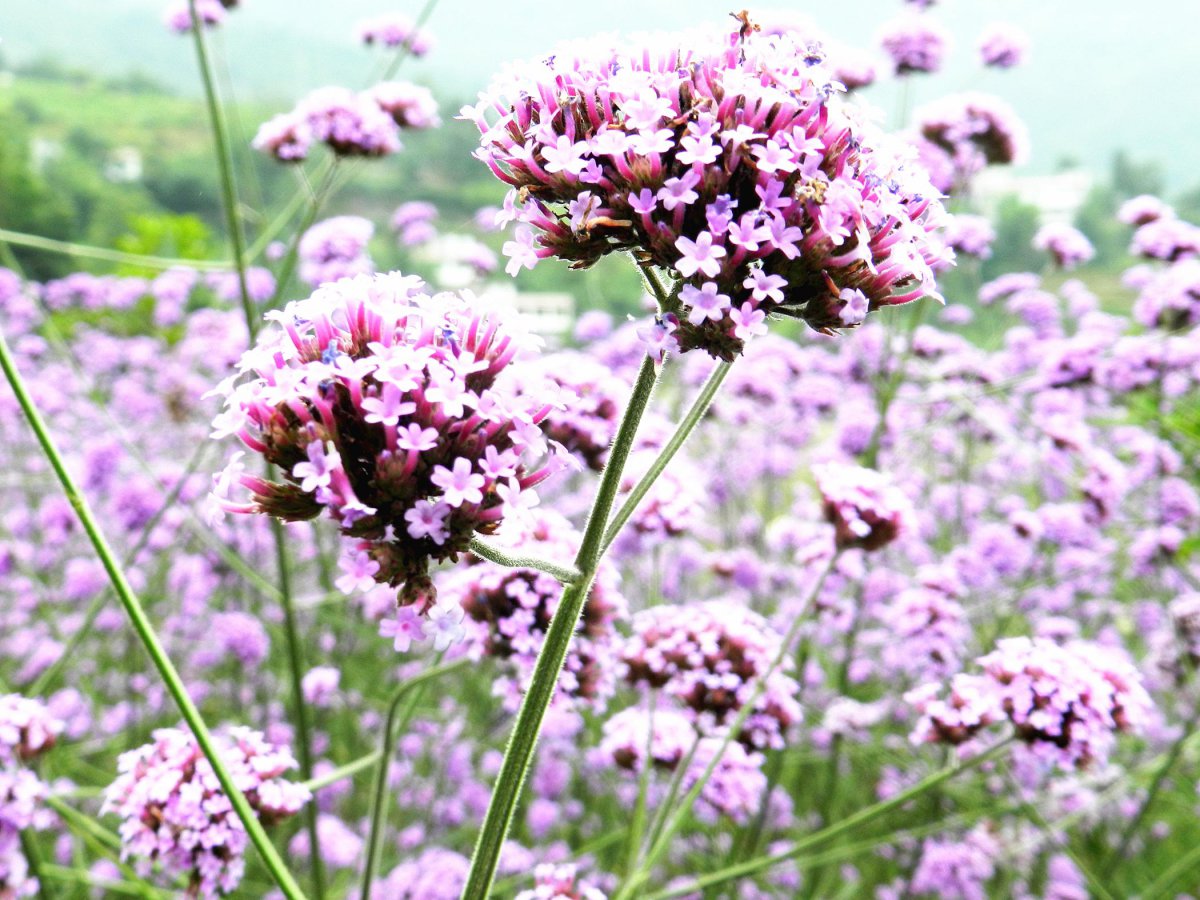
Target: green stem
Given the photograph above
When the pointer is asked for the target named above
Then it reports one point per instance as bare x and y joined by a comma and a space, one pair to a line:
347, 771
48, 677
501, 557
384, 757
299, 707
634, 841
1161, 886
863, 816
37, 242
33, 857
145, 631
216, 118
522, 741
315, 201
699, 407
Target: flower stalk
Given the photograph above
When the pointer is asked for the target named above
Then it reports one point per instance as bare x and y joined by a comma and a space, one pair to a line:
522, 741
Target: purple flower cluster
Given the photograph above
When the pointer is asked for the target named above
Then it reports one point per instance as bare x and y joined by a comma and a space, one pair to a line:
970, 235
336, 248
211, 13
1166, 238
1064, 702
1170, 299
915, 43
560, 882
1003, 46
27, 729
971, 131
1067, 245
866, 509
389, 410
395, 30
711, 657
724, 159
510, 610
177, 816
364, 123
413, 222
957, 870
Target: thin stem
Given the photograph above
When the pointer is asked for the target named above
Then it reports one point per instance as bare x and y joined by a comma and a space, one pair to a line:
348, 770
37, 242
753, 866
523, 739
315, 201
699, 407
639, 810
33, 856
299, 707
1161, 886
145, 632
47, 678
501, 557
229, 201
384, 757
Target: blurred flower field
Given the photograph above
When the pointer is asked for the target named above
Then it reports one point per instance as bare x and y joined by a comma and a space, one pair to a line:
848, 567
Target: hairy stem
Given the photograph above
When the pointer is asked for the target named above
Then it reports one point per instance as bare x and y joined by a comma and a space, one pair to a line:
501, 557
522, 741
699, 407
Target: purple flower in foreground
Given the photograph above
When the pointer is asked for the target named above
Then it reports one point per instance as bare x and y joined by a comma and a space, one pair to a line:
408, 398
177, 816
719, 158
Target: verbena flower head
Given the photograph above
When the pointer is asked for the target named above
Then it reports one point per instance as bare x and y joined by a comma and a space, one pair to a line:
1067, 245
915, 43
1003, 46
395, 30
22, 795
710, 657
389, 410
975, 129
1144, 209
725, 159
560, 882
866, 509
349, 123
27, 729
627, 735
336, 248
958, 869
971, 235
410, 105
177, 816
1065, 702
178, 16
1168, 239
